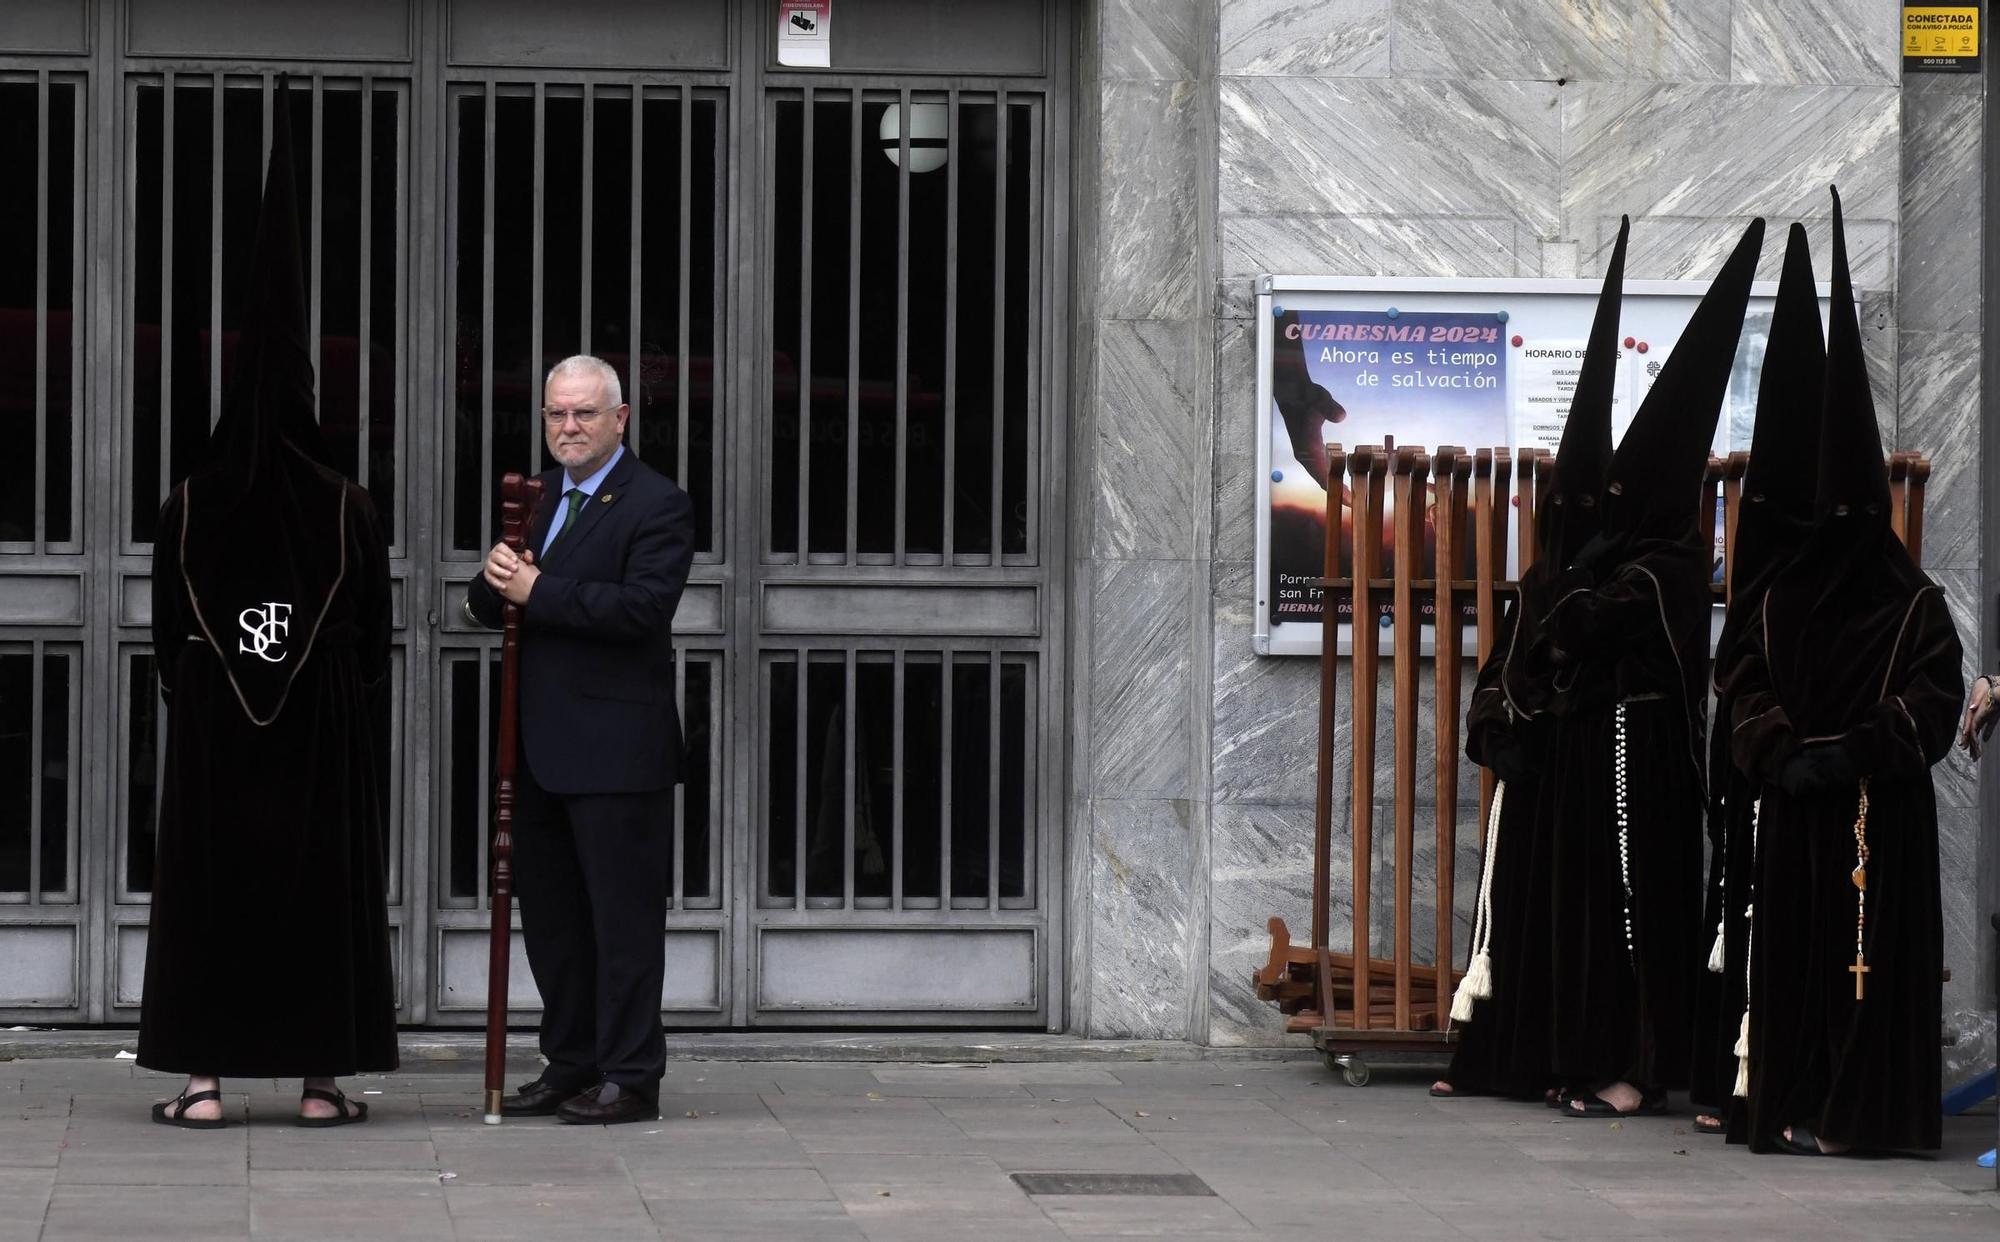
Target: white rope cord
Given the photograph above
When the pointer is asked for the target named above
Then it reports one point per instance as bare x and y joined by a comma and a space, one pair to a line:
1478, 982
1621, 791
1742, 1048
1717, 952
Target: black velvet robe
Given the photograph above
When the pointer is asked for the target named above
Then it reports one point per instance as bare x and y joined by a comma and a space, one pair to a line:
269, 949
1632, 631
1868, 665
1504, 1048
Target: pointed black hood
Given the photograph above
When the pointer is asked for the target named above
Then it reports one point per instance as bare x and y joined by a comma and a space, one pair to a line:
1776, 514
1839, 613
1654, 491
1570, 515
1853, 482
1779, 484
269, 402
263, 525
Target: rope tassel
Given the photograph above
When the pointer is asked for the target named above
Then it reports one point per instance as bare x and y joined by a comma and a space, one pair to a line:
1478, 982
1742, 1089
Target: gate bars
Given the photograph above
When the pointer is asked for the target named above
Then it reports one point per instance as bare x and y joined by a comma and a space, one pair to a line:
1354, 1001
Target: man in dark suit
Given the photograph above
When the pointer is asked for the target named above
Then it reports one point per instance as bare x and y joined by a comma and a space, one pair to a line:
607, 556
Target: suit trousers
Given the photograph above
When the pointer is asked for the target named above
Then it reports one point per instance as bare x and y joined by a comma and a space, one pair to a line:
591, 872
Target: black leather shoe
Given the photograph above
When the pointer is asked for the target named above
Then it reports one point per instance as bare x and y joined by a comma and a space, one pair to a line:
608, 1104
539, 1098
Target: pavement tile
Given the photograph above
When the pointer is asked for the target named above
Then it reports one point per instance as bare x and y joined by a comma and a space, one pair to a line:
24, 1200
669, 1180
1193, 1115
1032, 1156
325, 1152
1142, 1216
1025, 1075
1032, 1119
303, 1204
548, 1213
778, 1151
904, 1169
713, 1220
532, 1166
95, 1213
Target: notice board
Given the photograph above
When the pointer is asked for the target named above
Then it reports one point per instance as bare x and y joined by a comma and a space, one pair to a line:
1477, 363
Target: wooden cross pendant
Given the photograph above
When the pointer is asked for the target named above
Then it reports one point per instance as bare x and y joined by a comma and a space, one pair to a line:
1858, 970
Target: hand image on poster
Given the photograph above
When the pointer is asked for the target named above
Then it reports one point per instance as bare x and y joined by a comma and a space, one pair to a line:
1377, 378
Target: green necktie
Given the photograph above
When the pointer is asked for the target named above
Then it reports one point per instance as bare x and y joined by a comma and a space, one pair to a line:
575, 498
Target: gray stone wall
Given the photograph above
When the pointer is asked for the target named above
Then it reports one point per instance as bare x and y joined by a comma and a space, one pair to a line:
1228, 138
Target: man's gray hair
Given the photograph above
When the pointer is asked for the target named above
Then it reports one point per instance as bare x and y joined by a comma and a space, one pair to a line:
591, 365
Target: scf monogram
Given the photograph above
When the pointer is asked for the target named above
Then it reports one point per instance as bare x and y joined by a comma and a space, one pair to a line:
267, 627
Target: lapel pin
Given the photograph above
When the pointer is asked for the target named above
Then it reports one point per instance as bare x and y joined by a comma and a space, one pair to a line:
607, 498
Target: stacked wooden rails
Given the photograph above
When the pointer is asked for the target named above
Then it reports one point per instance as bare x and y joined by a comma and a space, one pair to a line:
1398, 1003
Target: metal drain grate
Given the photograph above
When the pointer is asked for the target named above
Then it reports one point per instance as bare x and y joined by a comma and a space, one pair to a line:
1185, 1184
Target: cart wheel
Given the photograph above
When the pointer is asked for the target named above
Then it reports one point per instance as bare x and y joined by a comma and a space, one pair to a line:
1333, 1062
1355, 1071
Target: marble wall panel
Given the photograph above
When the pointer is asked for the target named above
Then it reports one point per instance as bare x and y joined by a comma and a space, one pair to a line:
1957, 778
1142, 903
1729, 151
1266, 732
1880, 346
1938, 415
1149, 200
1234, 481
1680, 41
1941, 212
1792, 41
1147, 438
1306, 38
1261, 867
1142, 635
1968, 997
1318, 244
1152, 39
1521, 39
1694, 248
1292, 145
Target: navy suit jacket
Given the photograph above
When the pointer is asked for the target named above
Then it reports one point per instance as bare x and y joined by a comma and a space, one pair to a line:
597, 654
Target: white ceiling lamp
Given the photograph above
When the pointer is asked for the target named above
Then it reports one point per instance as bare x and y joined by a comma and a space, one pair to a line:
929, 126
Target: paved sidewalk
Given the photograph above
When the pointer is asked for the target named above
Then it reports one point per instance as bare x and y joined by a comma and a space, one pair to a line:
792, 1150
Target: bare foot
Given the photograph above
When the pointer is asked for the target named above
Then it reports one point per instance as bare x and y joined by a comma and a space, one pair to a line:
1622, 1096
204, 1110
1707, 1121
1831, 1149
1440, 1087
318, 1108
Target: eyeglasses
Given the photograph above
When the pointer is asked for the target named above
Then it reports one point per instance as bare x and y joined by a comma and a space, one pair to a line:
584, 417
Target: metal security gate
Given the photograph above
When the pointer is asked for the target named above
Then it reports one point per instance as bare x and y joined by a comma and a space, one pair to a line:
834, 298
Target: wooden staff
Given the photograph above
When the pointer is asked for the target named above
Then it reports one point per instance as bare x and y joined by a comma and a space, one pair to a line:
1412, 468
1368, 466
518, 498
1454, 468
1733, 471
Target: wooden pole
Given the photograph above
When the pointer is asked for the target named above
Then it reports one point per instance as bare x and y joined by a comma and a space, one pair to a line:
1367, 467
1412, 466
518, 499
1453, 469
1329, 664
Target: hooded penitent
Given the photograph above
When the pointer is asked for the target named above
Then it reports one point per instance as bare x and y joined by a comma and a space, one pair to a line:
271, 628
259, 536
1773, 517
1503, 1047
1622, 790
1570, 514
1846, 692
